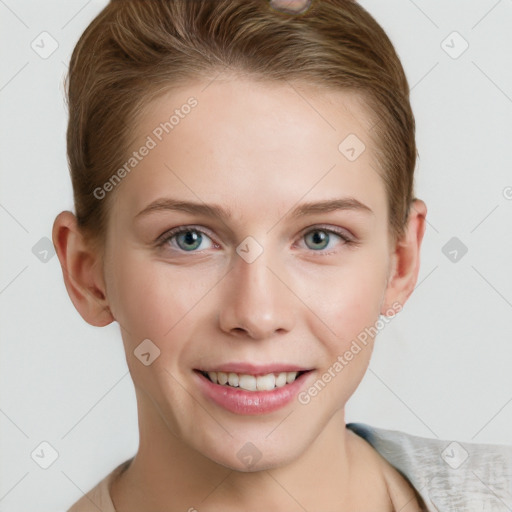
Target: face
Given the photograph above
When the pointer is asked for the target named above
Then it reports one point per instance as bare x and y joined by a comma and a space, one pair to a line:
283, 272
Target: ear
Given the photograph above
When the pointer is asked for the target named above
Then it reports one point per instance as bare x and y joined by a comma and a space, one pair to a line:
405, 261
82, 270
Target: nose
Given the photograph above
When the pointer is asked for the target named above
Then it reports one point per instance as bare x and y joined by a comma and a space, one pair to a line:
256, 302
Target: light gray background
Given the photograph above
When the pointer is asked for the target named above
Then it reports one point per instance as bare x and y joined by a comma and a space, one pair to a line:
440, 369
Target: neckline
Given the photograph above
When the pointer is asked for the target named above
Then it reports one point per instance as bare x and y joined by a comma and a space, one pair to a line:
110, 480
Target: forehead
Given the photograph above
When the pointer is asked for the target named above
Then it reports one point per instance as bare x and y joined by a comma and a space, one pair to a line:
260, 106
232, 139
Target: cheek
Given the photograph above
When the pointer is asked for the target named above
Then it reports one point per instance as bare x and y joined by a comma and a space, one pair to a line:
148, 300
158, 301
345, 311
152, 302
345, 299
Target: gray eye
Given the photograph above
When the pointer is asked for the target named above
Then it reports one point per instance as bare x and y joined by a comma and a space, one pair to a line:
318, 238
189, 240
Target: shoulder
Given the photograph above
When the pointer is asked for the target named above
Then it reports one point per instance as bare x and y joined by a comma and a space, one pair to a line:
98, 498
448, 475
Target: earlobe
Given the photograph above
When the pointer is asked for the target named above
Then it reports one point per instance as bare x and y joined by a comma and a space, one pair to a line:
406, 259
81, 269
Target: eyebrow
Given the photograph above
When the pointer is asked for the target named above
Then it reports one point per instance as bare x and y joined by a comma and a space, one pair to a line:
213, 210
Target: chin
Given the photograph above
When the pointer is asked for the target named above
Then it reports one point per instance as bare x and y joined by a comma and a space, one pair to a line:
253, 453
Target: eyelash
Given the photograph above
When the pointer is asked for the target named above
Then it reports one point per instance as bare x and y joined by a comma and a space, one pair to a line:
167, 236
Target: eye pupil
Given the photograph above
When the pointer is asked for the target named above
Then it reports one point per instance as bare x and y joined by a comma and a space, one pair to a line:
320, 237
190, 237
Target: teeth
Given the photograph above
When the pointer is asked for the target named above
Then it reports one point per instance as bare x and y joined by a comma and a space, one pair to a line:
232, 379
251, 382
266, 382
247, 382
281, 380
290, 377
222, 377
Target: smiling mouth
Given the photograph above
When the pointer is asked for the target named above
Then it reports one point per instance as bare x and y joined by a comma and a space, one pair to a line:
249, 382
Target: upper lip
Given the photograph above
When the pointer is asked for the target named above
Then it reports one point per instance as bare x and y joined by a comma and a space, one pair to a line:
254, 369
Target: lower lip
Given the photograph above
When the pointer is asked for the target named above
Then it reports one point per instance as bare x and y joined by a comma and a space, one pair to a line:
240, 401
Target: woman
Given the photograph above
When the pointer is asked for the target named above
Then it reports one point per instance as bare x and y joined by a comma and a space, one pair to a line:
243, 178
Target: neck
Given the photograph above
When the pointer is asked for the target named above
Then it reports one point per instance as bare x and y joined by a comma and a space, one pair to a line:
169, 475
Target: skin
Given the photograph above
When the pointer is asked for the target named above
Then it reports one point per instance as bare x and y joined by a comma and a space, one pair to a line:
259, 149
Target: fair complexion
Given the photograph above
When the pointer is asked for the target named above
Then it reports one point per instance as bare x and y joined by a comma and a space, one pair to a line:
259, 151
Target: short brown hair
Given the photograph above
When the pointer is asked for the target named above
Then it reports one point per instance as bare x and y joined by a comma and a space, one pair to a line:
135, 50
